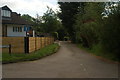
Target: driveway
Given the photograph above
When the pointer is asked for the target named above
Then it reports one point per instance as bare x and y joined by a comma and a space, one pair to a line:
68, 62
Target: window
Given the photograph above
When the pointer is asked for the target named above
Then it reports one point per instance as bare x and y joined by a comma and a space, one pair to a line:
6, 13
13, 29
20, 29
25, 28
17, 29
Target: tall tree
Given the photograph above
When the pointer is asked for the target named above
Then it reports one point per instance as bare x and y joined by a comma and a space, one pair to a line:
50, 21
28, 17
35, 22
67, 15
110, 37
87, 24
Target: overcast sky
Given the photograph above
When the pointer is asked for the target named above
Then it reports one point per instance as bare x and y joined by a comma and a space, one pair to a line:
31, 7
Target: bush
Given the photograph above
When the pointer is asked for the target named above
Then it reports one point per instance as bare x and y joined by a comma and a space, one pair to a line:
89, 34
110, 35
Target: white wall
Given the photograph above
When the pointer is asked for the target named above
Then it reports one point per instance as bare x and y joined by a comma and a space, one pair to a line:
10, 32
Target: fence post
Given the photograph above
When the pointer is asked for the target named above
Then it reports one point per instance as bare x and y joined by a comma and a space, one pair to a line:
41, 42
35, 44
10, 49
26, 44
45, 41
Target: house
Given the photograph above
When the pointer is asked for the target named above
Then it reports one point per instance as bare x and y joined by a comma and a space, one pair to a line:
12, 24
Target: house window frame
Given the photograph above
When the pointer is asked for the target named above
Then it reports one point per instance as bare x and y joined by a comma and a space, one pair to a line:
17, 29
20, 29
6, 13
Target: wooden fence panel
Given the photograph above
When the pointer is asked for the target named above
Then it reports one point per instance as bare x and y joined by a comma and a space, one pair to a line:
46, 41
43, 42
40, 42
37, 43
32, 45
17, 44
50, 40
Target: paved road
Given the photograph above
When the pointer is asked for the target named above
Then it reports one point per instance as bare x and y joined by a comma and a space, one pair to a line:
68, 62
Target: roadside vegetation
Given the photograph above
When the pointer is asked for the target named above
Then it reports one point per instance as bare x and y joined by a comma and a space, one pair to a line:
95, 26
15, 57
98, 51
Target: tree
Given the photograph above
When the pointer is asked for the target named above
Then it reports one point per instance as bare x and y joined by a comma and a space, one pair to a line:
67, 15
62, 33
50, 21
35, 22
110, 37
28, 18
88, 24
37, 25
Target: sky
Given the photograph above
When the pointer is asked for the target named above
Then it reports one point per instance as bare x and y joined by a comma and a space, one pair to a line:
31, 7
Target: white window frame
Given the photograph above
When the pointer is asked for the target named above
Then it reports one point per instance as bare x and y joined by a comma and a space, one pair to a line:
17, 29
6, 13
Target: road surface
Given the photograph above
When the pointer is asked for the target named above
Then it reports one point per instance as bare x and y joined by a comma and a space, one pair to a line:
68, 62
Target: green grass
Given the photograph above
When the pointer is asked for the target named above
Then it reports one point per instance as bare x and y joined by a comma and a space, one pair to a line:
48, 50
99, 51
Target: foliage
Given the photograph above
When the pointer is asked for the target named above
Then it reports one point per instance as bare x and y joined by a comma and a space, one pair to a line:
51, 22
28, 18
35, 22
48, 50
61, 33
94, 25
88, 24
110, 37
98, 51
68, 11
55, 35
48, 23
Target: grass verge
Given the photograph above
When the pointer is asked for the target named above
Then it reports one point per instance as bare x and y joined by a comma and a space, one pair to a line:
98, 51
48, 50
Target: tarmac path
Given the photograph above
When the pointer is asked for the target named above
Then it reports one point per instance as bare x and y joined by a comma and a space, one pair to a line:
68, 62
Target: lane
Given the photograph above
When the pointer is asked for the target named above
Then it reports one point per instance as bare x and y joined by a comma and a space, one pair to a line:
68, 62
95, 67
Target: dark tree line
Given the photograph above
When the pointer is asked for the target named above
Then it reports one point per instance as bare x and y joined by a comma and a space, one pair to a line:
93, 24
67, 15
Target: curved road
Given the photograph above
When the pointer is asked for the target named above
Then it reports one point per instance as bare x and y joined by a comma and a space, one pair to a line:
68, 62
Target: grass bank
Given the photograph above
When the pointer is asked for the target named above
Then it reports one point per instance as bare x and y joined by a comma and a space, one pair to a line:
46, 51
98, 51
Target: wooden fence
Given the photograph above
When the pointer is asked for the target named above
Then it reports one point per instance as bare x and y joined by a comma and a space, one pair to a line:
16, 42
25, 44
